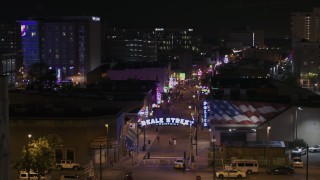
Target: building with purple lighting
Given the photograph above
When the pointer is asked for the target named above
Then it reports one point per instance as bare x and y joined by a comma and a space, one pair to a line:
69, 45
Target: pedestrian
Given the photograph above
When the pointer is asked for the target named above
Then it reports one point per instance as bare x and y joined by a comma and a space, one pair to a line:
111, 162
148, 154
158, 138
170, 143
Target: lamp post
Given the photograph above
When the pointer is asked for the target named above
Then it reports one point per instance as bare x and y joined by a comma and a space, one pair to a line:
307, 168
28, 155
107, 139
191, 145
296, 122
213, 140
100, 164
268, 142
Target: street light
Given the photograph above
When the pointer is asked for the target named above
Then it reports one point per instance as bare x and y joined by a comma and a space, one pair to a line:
28, 155
213, 140
296, 122
100, 148
268, 142
107, 126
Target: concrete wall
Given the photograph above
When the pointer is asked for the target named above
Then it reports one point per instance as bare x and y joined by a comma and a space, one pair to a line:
283, 126
74, 133
4, 129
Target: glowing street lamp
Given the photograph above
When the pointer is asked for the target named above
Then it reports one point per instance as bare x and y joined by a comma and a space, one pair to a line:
213, 140
268, 142
296, 122
28, 156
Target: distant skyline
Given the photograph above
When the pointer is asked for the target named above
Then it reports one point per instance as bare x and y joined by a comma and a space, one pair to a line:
207, 17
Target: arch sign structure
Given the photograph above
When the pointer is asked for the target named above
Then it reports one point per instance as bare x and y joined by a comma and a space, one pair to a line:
166, 121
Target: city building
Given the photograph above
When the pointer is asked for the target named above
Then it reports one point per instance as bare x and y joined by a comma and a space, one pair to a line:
93, 124
306, 63
4, 129
306, 25
156, 71
242, 108
8, 67
240, 39
128, 44
69, 45
10, 52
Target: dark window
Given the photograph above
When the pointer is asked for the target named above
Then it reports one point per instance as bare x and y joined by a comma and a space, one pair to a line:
240, 164
249, 164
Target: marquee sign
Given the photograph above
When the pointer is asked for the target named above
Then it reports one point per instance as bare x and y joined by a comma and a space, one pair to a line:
166, 121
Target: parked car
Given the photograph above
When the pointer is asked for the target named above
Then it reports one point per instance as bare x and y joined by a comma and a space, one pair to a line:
32, 175
281, 170
315, 148
178, 163
67, 164
297, 162
299, 150
234, 173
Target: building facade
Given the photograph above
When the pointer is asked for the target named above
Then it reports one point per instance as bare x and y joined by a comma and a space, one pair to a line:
306, 64
306, 25
147, 44
11, 53
245, 38
8, 67
69, 45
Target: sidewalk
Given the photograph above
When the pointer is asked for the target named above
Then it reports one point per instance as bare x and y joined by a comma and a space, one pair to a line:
129, 162
135, 160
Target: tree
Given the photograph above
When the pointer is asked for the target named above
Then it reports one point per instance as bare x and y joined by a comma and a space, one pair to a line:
300, 143
37, 156
41, 75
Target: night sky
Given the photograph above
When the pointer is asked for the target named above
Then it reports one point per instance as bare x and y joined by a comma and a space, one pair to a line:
207, 17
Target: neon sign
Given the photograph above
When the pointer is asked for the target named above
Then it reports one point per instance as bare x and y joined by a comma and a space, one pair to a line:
205, 114
166, 121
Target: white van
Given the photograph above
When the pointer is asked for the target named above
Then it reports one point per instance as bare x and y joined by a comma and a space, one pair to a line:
248, 166
32, 175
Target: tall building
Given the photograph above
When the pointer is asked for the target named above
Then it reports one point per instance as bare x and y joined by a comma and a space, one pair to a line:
305, 45
174, 39
306, 63
10, 52
241, 39
8, 67
69, 45
306, 25
147, 45
129, 45
30, 42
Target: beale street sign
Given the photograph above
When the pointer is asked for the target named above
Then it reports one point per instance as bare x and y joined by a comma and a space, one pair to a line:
166, 121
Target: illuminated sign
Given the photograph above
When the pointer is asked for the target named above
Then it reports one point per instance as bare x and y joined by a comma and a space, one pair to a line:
205, 114
23, 30
94, 18
167, 121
